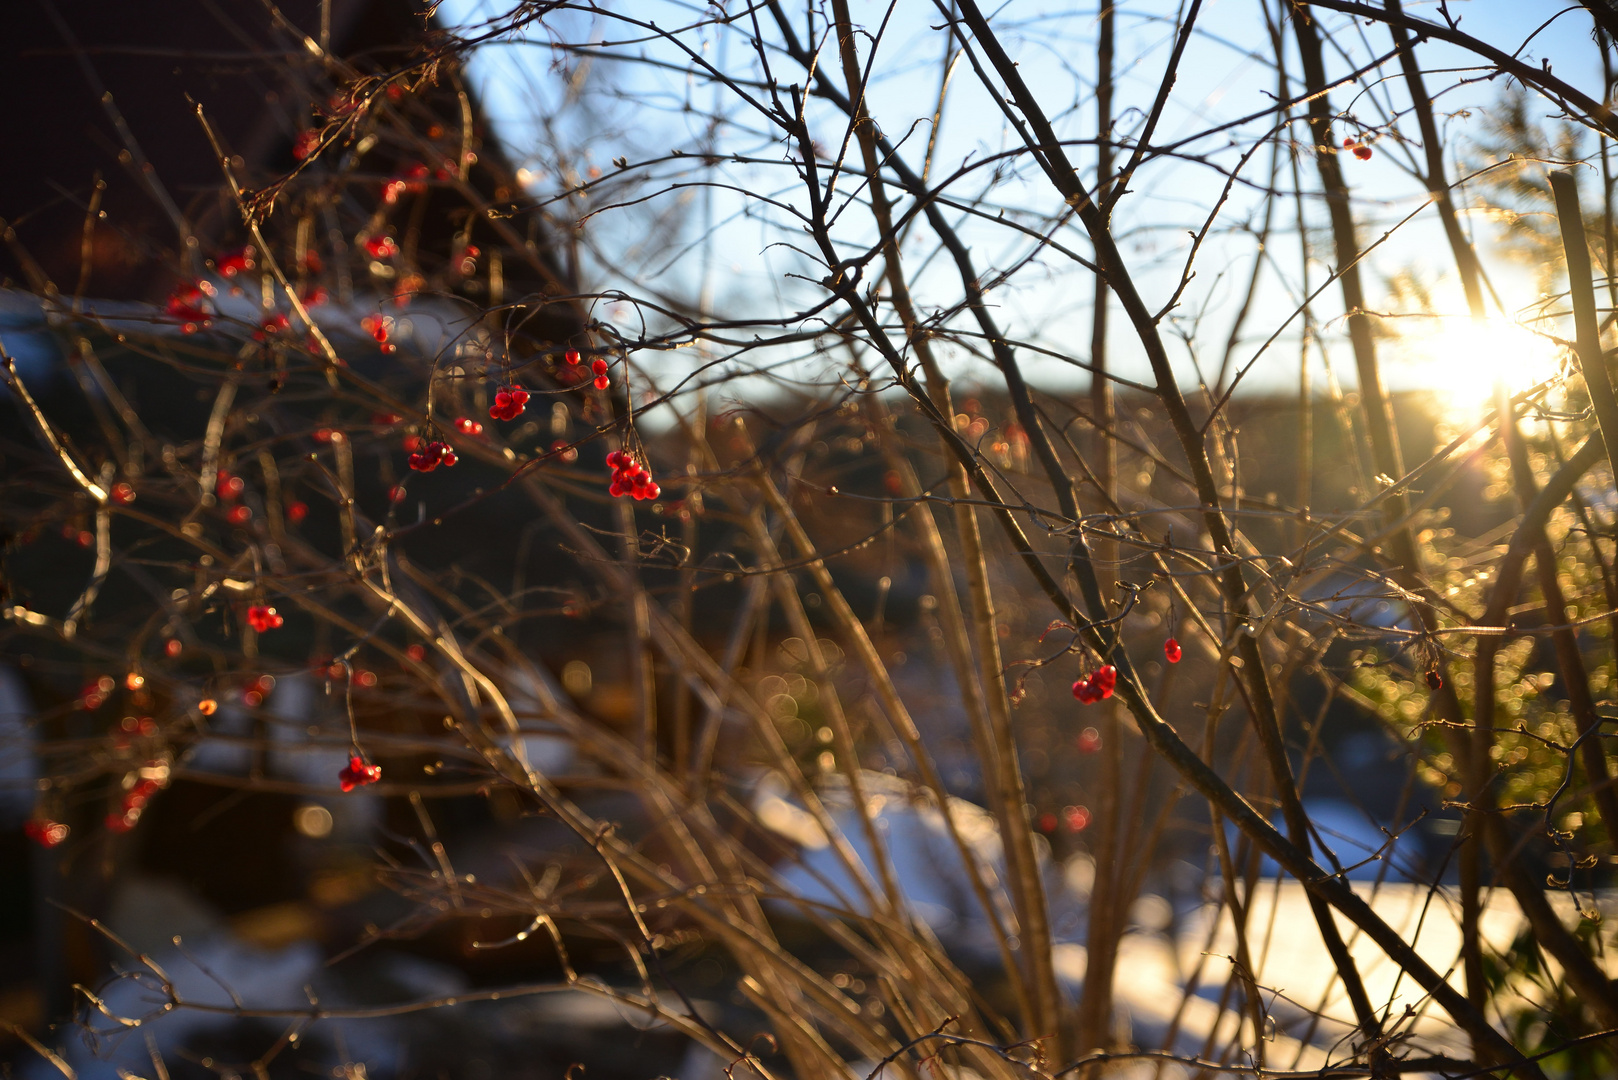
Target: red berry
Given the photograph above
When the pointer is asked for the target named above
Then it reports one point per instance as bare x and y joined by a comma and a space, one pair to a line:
1106, 680
263, 618
653, 491
508, 402
45, 832
571, 357
123, 493
357, 774
1171, 651
239, 515
602, 382
382, 247
598, 366
186, 302
467, 426
1363, 153
1047, 822
431, 455
1077, 818
172, 648
1089, 741
297, 511
271, 325
232, 263
228, 487
418, 653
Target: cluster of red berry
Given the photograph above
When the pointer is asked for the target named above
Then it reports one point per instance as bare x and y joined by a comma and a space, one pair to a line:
187, 305
45, 832
262, 617
271, 324
509, 402
1097, 685
357, 773
598, 368
130, 806
1100, 685
130, 726
1361, 151
1076, 818
412, 179
429, 456
631, 478
468, 426
228, 489
235, 263
254, 691
378, 326
96, 692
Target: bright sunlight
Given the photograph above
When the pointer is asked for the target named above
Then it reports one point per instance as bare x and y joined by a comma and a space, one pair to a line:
1462, 359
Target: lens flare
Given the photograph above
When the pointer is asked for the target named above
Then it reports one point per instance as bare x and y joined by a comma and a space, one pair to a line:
1462, 359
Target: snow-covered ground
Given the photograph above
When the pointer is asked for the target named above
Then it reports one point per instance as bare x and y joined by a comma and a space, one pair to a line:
1171, 973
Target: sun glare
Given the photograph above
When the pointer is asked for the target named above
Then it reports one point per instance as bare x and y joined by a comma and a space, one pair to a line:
1462, 359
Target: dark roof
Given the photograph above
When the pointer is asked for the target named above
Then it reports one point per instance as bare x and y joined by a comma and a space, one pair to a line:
105, 89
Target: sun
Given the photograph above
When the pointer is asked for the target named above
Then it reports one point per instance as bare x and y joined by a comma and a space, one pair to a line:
1462, 359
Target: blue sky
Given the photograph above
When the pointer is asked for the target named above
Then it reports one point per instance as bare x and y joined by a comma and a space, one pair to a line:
560, 115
